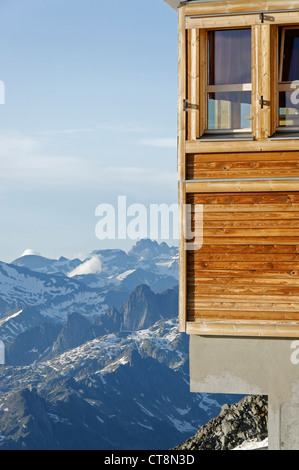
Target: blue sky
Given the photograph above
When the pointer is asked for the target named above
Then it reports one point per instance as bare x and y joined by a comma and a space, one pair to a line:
89, 114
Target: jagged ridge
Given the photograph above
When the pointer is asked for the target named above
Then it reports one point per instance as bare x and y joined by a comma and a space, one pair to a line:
237, 423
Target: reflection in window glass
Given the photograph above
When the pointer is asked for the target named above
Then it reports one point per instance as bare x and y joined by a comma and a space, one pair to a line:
288, 78
288, 109
229, 110
229, 57
229, 80
290, 68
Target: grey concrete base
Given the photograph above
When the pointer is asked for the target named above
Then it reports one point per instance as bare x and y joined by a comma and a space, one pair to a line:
252, 366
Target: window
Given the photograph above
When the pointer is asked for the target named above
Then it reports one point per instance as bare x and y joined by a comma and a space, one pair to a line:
241, 77
288, 73
229, 82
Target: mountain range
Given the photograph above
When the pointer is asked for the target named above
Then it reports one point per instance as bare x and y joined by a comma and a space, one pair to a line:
93, 356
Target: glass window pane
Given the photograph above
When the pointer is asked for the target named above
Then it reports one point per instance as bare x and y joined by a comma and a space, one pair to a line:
288, 109
229, 110
290, 70
229, 57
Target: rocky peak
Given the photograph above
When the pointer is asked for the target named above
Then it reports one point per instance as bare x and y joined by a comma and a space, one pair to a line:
76, 331
147, 249
237, 423
144, 308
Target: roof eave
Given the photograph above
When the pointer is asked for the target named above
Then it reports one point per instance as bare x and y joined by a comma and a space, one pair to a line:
173, 3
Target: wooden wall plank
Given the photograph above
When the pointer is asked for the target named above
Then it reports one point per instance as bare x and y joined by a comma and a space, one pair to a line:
248, 224
203, 77
275, 78
247, 269
246, 249
283, 197
188, 84
278, 156
240, 21
250, 215
279, 281
214, 146
245, 265
239, 6
256, 92
262, 165
237, 21
241, 298
244, 328
182, 95
254, 274
241, 186
265, 75
251, 240
194, 84
251, 232
254, 174
198, 256
254, 207
182, 263
245, 315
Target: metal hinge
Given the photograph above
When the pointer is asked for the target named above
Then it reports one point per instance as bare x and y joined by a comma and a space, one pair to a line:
264, 102
188, 106
264, 18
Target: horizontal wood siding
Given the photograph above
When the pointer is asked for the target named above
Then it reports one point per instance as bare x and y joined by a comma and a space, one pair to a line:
244, 281
242, 165
248, 267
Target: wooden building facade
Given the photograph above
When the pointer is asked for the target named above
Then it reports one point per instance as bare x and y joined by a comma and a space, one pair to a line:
238, 159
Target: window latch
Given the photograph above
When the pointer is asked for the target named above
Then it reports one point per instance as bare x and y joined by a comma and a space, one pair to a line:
264, 102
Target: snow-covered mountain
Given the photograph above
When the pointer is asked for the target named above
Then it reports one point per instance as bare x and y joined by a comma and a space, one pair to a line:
110, 265
52, 296
121, 391
104, 279
94, 359
43, 265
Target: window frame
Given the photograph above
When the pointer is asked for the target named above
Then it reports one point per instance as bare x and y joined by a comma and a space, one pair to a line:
283, 86
232, 87
265, 75
197, 87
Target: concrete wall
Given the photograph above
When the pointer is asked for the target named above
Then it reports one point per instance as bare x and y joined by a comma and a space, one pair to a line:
252, 366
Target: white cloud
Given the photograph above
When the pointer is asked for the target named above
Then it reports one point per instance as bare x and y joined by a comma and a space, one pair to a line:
29, 252
161, 143
23, 162
91, 266
124, 127
12, 144
66, 131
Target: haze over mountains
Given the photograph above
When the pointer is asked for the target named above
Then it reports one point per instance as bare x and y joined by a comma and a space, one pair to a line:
94, 359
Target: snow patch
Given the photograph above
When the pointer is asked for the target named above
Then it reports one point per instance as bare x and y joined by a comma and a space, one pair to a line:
253, 445
14, 315
123, 276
